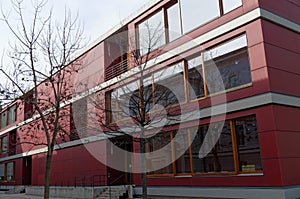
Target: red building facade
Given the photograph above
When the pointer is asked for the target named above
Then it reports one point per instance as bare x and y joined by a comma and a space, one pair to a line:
255, 46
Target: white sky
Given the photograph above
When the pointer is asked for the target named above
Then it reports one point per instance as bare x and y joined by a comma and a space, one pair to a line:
98, 16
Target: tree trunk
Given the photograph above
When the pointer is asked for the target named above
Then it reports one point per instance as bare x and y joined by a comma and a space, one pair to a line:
143, 167
47, 175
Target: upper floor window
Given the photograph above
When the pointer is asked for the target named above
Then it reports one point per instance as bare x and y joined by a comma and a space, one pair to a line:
229, 5
178, 18
196, 13
221, 68
151, 33
8, 116
161, 88
4, 144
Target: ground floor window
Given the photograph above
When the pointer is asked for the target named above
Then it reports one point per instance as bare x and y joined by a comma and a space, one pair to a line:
7, 171
235, 150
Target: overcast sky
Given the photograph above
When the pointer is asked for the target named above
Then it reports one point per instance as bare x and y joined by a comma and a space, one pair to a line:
98, 16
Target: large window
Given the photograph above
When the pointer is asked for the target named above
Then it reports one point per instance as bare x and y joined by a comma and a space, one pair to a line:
231, 61
151, 33
2, 172
222, 68
4, 144
162, 88
229, 5
238, 144
177, 18
7, 171
196, 13
12, 114
8, 116
10, 171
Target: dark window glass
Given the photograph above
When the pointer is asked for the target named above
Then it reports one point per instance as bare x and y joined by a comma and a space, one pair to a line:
157, 142
4, 144
169, 85
227, 66
248, 144
195, 79
217, 157
151, 33
128, 100
3, 119
10, 171
2, 172
196, 13
183, 162
12, 114
229, 5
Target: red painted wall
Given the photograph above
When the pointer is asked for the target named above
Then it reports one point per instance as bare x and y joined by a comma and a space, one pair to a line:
66, 165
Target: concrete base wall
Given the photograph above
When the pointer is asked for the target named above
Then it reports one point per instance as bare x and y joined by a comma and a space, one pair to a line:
222, 192
67, 192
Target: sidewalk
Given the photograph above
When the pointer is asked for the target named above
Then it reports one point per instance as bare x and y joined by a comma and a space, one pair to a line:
23, 196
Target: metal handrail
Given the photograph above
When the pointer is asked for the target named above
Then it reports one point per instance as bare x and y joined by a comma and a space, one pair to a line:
115, 70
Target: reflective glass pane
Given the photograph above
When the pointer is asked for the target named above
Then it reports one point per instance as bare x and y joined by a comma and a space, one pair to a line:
4, 143
229, 5
227, 66
151, 33
12, 114
183, 162
196, 13
3, 119
174, 22
169, 85
128, 100
195, 79
10, 171
220, 157
248, 144
2, 172
161, 160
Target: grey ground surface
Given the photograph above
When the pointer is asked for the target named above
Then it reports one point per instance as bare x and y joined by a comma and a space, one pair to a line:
23, 196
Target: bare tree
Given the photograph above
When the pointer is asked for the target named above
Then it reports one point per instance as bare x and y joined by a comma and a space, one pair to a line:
40, 75
136, 105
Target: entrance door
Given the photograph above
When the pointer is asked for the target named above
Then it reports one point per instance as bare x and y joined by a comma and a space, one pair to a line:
27, 172
120, 177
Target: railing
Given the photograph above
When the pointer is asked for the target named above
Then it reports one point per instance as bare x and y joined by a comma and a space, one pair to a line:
83, 181
115, 70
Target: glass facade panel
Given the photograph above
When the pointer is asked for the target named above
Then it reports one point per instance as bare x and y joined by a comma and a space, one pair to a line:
229, 5
151, 33
3, 119
195, 78
220, 157
2, 175
196, 13
12, 115
169, 85
183, 162
231, 60
248, 144
174, 27
128, 100
4, 144
157, 142
10, 171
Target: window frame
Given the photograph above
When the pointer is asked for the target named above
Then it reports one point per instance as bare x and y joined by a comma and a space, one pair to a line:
235, 155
